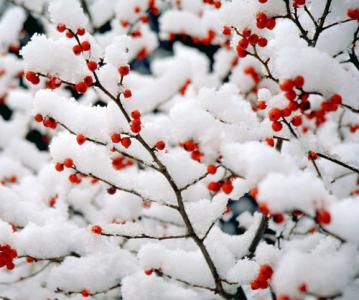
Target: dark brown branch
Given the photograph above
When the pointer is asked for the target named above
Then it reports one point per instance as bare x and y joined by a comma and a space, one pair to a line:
338, 162
145, 236
193, 182
263, 224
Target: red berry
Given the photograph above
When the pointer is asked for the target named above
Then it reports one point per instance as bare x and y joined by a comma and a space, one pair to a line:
290, 95
81, 31
226, 30
160, 145
81, 87
262, 1
270, 142
227, 187
262, 42
323, 217
296, 121
69, 34
92, 65
286, 112
81, 139
136, 114
96, 229
77, 49
85, 45
85, 293
136, 126
299, 81
266, 271
68, 163
32, 77
278, 218
287, 85
277, 126
88, 80
312, 155
73, 178
253, 39
124, 70
127, 93
262, 105
336, 99
189, 146
126, 142
29, 259
211, 169
243, 44
270, 24
302, 287
275, 114
255, 284
59, 167
246, 32
38, 118
148, 271
116, 138
61, 27
213, 186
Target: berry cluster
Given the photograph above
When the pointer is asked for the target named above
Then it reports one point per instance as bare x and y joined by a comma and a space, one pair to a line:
193, 147
11, 179
225, 185
48, 122
264, 275
136, 121
7, 255
121, 162
215, 3
249, 38
264, 22
125, 141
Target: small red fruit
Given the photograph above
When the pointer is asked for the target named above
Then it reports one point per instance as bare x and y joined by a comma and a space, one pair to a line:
262, 42
59, 167
85, 45
32, 77
81, 31
38, 118
278, 218
92, 65
160, 145
323, 217
213, 186
227, 187
116, 138
296, 121
61, 27
68, 163
126, 142
124, 70
299, 81
277, 126
96, 229
148, 271
81, 139
262, 105
211, 169
302, 287
77, 49
81, 87
275, 114
127, 93
136, 114
85, 293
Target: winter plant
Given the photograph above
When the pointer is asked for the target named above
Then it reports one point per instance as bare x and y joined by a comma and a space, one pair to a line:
142, 167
